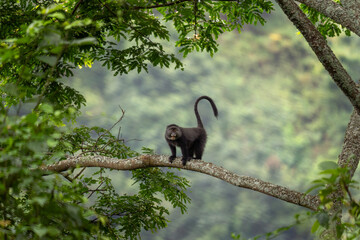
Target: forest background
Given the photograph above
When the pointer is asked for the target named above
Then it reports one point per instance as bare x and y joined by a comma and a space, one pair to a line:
280, 115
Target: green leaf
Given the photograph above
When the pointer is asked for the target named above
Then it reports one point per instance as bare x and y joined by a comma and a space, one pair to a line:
51, 142
57, 15
31, 118
315, 226
46, 108
84, 41
323, 219
40, 230
78, 23
52, 8
332, 171
328, 165
50, 60
40, 200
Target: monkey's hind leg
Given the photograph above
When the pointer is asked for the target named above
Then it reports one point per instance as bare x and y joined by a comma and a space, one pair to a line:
191, 152
199, 149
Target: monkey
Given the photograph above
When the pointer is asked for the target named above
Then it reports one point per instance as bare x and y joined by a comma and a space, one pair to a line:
190, 140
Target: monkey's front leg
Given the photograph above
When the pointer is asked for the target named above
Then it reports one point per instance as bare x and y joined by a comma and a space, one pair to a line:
173, 153
185, 153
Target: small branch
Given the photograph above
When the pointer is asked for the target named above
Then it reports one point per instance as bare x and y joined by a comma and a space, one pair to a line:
120, 119
195, 17
78, 175
97, 189
76, 7
108, 8
161, 5
174, 3
146, 161
349, 193
67, 177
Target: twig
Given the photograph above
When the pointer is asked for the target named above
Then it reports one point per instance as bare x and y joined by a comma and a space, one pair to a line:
121, 117
76, 7
77, 175
93, 191
108, 8
67, 176
195, 17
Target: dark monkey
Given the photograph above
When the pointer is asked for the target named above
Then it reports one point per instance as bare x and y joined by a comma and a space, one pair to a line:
190, 140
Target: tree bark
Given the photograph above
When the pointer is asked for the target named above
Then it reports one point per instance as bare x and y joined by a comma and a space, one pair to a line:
350, 153
336, 12
353, 6
145, 161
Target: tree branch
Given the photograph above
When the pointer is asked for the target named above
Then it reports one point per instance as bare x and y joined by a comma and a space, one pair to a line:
174, 3
76, 7
352, 6
350, 153
161, 5
145, 161
322, 51
336, 12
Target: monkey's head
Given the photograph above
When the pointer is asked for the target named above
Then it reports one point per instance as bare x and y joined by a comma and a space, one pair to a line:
173, 132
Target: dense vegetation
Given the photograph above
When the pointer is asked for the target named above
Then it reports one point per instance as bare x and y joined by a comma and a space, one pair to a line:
273, 124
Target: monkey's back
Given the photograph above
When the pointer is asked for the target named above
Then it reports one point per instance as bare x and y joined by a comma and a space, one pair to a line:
193, 134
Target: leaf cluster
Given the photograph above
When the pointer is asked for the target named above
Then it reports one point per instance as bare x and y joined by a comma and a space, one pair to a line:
127, 215
199, 23
34, 206
335, 186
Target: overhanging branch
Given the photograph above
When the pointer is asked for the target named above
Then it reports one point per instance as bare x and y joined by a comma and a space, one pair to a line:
161, 5
324, 53
145, 161
173, 3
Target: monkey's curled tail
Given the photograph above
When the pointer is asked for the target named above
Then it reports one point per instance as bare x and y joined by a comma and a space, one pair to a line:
200, 124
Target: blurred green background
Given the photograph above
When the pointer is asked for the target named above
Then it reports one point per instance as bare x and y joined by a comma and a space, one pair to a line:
280, 114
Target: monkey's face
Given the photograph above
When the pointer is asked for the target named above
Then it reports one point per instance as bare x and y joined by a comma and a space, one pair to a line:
173, 132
